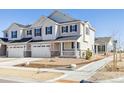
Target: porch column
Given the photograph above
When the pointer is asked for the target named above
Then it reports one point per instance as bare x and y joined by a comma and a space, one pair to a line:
96, 49
61, 51
75, 48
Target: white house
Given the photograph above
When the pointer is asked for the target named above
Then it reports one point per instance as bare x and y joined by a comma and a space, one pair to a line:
103, 45
55, 35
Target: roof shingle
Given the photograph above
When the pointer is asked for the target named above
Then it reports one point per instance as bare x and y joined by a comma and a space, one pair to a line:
102, 40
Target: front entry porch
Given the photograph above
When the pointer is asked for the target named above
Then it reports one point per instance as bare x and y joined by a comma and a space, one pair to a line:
66, 49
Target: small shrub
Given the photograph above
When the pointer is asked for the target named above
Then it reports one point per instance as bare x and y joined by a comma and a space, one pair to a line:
88, 54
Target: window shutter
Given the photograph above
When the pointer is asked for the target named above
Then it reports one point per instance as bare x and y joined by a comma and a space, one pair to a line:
71, 28
66, 28
16, 34
46, 30
11, 34
34, 32
40, 31
62, 29
51, 30
75, 27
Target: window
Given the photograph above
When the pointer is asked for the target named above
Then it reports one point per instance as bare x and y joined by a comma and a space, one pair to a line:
29, 32
14, 34
37, 32
87, 31
49, 30
73, 28
65, 29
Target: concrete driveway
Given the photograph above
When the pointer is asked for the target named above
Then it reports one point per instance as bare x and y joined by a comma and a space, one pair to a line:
7, 81
15, 61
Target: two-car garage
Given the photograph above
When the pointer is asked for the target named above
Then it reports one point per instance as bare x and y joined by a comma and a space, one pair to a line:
37, 50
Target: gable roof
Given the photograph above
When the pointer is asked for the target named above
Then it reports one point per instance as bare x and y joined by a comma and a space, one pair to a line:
17, 24
60, 17
41, 20
23, 26
102, 40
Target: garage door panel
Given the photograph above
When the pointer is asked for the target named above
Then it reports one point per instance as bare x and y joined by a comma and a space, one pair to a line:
41, 50
15, 51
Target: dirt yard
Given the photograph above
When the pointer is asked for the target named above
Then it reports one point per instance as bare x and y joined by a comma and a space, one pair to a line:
60, 62
25, 74
108, 73
66, 81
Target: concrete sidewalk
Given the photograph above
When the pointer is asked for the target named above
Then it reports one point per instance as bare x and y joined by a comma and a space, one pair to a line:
87, 71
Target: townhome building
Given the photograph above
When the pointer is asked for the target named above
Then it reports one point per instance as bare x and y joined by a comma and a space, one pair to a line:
103, 45
55, 35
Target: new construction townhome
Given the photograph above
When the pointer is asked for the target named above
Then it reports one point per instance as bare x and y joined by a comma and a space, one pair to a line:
103, 45
55, 35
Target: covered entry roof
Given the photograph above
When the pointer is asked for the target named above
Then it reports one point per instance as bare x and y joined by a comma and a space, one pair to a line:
23, 40
67, 38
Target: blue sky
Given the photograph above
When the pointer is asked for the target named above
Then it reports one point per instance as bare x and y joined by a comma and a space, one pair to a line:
106, 22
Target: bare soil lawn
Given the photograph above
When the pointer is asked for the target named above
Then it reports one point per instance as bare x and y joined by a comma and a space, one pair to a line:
25, 74
66, 81
108, 73
60, 62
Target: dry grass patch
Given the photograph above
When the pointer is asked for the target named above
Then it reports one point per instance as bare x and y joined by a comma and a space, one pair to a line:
108, 73
25, 74
60, 62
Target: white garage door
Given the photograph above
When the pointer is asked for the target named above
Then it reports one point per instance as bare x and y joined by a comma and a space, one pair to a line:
16, 51
40, 50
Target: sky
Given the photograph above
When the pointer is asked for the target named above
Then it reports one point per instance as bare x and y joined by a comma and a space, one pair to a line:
106, 22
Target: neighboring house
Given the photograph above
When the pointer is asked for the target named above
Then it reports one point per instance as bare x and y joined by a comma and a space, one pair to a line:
55, 35
103, 45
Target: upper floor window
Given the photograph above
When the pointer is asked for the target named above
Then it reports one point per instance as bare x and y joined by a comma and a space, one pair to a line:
73, 28
37, 32
29, 32
87, 31
49, 30
14, 34
65, 29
